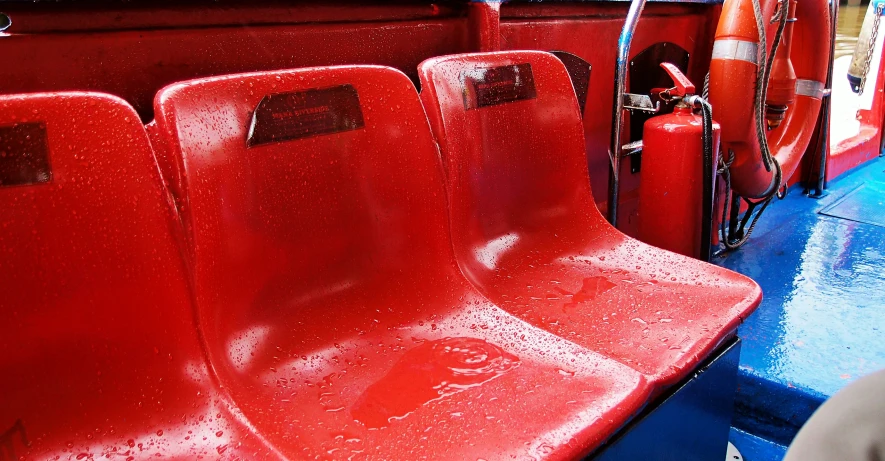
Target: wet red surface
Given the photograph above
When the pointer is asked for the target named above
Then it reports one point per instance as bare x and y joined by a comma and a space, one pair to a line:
525, 225
331, 304
428, 372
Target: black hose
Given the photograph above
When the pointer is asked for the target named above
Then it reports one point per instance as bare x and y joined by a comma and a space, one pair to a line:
709, 180
708, 175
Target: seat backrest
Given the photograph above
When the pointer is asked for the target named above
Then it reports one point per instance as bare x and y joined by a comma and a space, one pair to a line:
509, 129
301, 185
96, 325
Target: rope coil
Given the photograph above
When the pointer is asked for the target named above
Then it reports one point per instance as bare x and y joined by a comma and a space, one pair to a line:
733, 231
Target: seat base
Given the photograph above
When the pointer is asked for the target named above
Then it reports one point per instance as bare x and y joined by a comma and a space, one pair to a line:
690, 423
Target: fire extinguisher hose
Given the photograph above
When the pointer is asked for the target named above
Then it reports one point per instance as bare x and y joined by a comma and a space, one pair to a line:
709, 175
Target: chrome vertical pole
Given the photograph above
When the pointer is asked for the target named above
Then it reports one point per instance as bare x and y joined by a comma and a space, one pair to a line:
624, 41
827, 104
823, 141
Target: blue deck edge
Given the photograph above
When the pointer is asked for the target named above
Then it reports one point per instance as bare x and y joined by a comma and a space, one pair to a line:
754, 448
771, 410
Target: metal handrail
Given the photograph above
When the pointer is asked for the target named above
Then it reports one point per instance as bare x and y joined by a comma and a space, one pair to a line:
624, 42
824, 137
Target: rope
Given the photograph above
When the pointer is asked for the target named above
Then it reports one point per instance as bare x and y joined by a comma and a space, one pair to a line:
761, 85
729, 241
706, 93
763, 75
877, 16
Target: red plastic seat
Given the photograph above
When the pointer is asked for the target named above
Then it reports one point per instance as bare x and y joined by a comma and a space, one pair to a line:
99, 355
329, 296
527, 233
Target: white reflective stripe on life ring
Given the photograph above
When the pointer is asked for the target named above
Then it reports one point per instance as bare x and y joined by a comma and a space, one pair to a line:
810, 88
736, 50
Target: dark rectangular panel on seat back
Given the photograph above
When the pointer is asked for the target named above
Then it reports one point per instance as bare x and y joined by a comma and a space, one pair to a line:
98, 348
509, 130
517, 155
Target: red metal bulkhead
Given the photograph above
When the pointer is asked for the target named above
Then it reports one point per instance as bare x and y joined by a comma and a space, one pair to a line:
671, 194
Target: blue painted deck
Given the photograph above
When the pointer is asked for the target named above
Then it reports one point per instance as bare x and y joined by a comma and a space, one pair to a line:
754, 448
820, 324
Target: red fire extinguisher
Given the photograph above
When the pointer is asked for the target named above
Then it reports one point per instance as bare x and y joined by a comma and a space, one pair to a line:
679, 158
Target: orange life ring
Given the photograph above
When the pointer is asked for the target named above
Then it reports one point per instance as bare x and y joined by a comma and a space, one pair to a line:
796, 84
